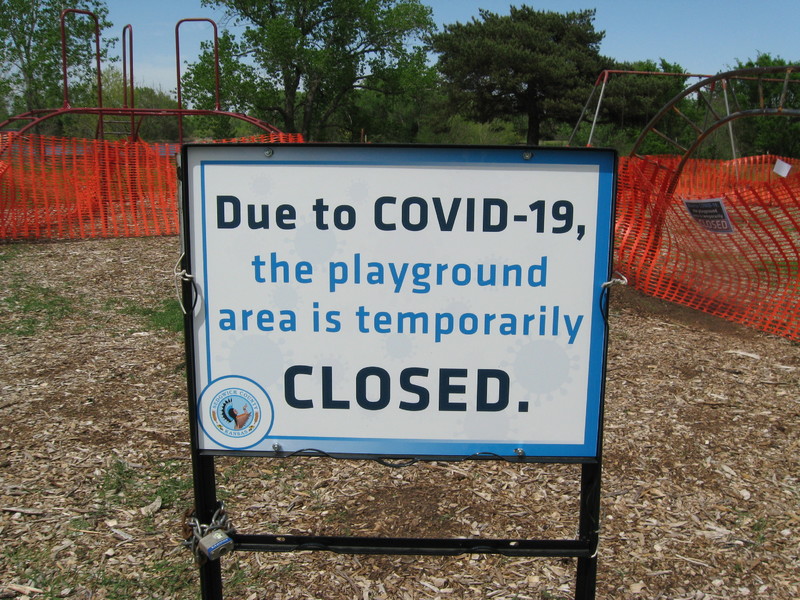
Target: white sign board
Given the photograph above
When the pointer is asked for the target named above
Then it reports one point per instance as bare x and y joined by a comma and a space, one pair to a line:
396, 300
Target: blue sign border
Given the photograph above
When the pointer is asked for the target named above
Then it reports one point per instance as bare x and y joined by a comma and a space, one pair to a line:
445, 156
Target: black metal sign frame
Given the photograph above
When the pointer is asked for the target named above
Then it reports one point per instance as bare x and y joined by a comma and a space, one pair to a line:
583, 547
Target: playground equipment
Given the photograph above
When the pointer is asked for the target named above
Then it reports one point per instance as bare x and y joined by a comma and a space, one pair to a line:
721, 236
24, 122
53, 187
717, 234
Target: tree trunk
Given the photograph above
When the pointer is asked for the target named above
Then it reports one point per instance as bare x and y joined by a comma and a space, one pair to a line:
534, 123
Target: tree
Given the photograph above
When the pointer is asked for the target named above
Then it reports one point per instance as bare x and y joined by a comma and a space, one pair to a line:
30, 49
5, 100
151, 128
298, 62
238, 91
767, 135
631, 100
533, 63
628, 101
397, 106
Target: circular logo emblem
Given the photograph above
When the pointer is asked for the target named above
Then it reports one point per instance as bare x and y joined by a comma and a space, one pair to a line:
235, 412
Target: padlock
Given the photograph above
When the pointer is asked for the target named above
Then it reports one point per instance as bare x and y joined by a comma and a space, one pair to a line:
215, 544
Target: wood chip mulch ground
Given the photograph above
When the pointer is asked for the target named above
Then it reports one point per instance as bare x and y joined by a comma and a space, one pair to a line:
701, 482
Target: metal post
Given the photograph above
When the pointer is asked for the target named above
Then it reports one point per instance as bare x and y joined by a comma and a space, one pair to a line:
580, 119
64, 69
204, 479
588, 530
178, 68
205, 498
597, 110
127, 76
730, 123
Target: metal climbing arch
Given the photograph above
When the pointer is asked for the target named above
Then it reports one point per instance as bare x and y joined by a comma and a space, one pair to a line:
719, 95
716, 231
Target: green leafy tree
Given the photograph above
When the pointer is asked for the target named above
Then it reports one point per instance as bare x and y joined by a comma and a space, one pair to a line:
778, 135
152, 129
398, 105
298, 62
631, 100
5, 100
159, 129
30, 49
240, 88
459, 130
538, 64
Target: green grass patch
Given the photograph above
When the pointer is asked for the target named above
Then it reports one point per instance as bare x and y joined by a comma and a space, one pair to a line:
34, 561
166, 315
159, 579
760, 528
174, 482
9, 252
79, 523
29, 307
119, 478
171, 481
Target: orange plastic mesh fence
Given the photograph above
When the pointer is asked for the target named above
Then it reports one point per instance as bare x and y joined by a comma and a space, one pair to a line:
58, 188
735, 256
732, 253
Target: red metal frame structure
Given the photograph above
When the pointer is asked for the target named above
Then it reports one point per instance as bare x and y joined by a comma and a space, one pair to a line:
699, 131
127, 63
217, 106
32, 118
704, 91
738, 259
601, 82
64, 13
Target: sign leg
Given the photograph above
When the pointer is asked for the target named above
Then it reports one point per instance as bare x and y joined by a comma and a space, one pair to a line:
589, 526
205, 497
586, 582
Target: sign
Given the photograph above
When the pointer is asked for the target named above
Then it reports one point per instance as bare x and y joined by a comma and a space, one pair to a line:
782, 168
396, 300
710, 215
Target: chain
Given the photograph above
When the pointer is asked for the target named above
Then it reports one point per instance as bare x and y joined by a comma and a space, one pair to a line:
196, 531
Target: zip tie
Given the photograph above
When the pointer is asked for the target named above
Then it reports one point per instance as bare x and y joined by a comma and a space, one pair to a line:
183, 275
621, 280
596, 550
605, 287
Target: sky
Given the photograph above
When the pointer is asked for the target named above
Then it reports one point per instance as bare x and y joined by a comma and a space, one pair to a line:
702, 36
